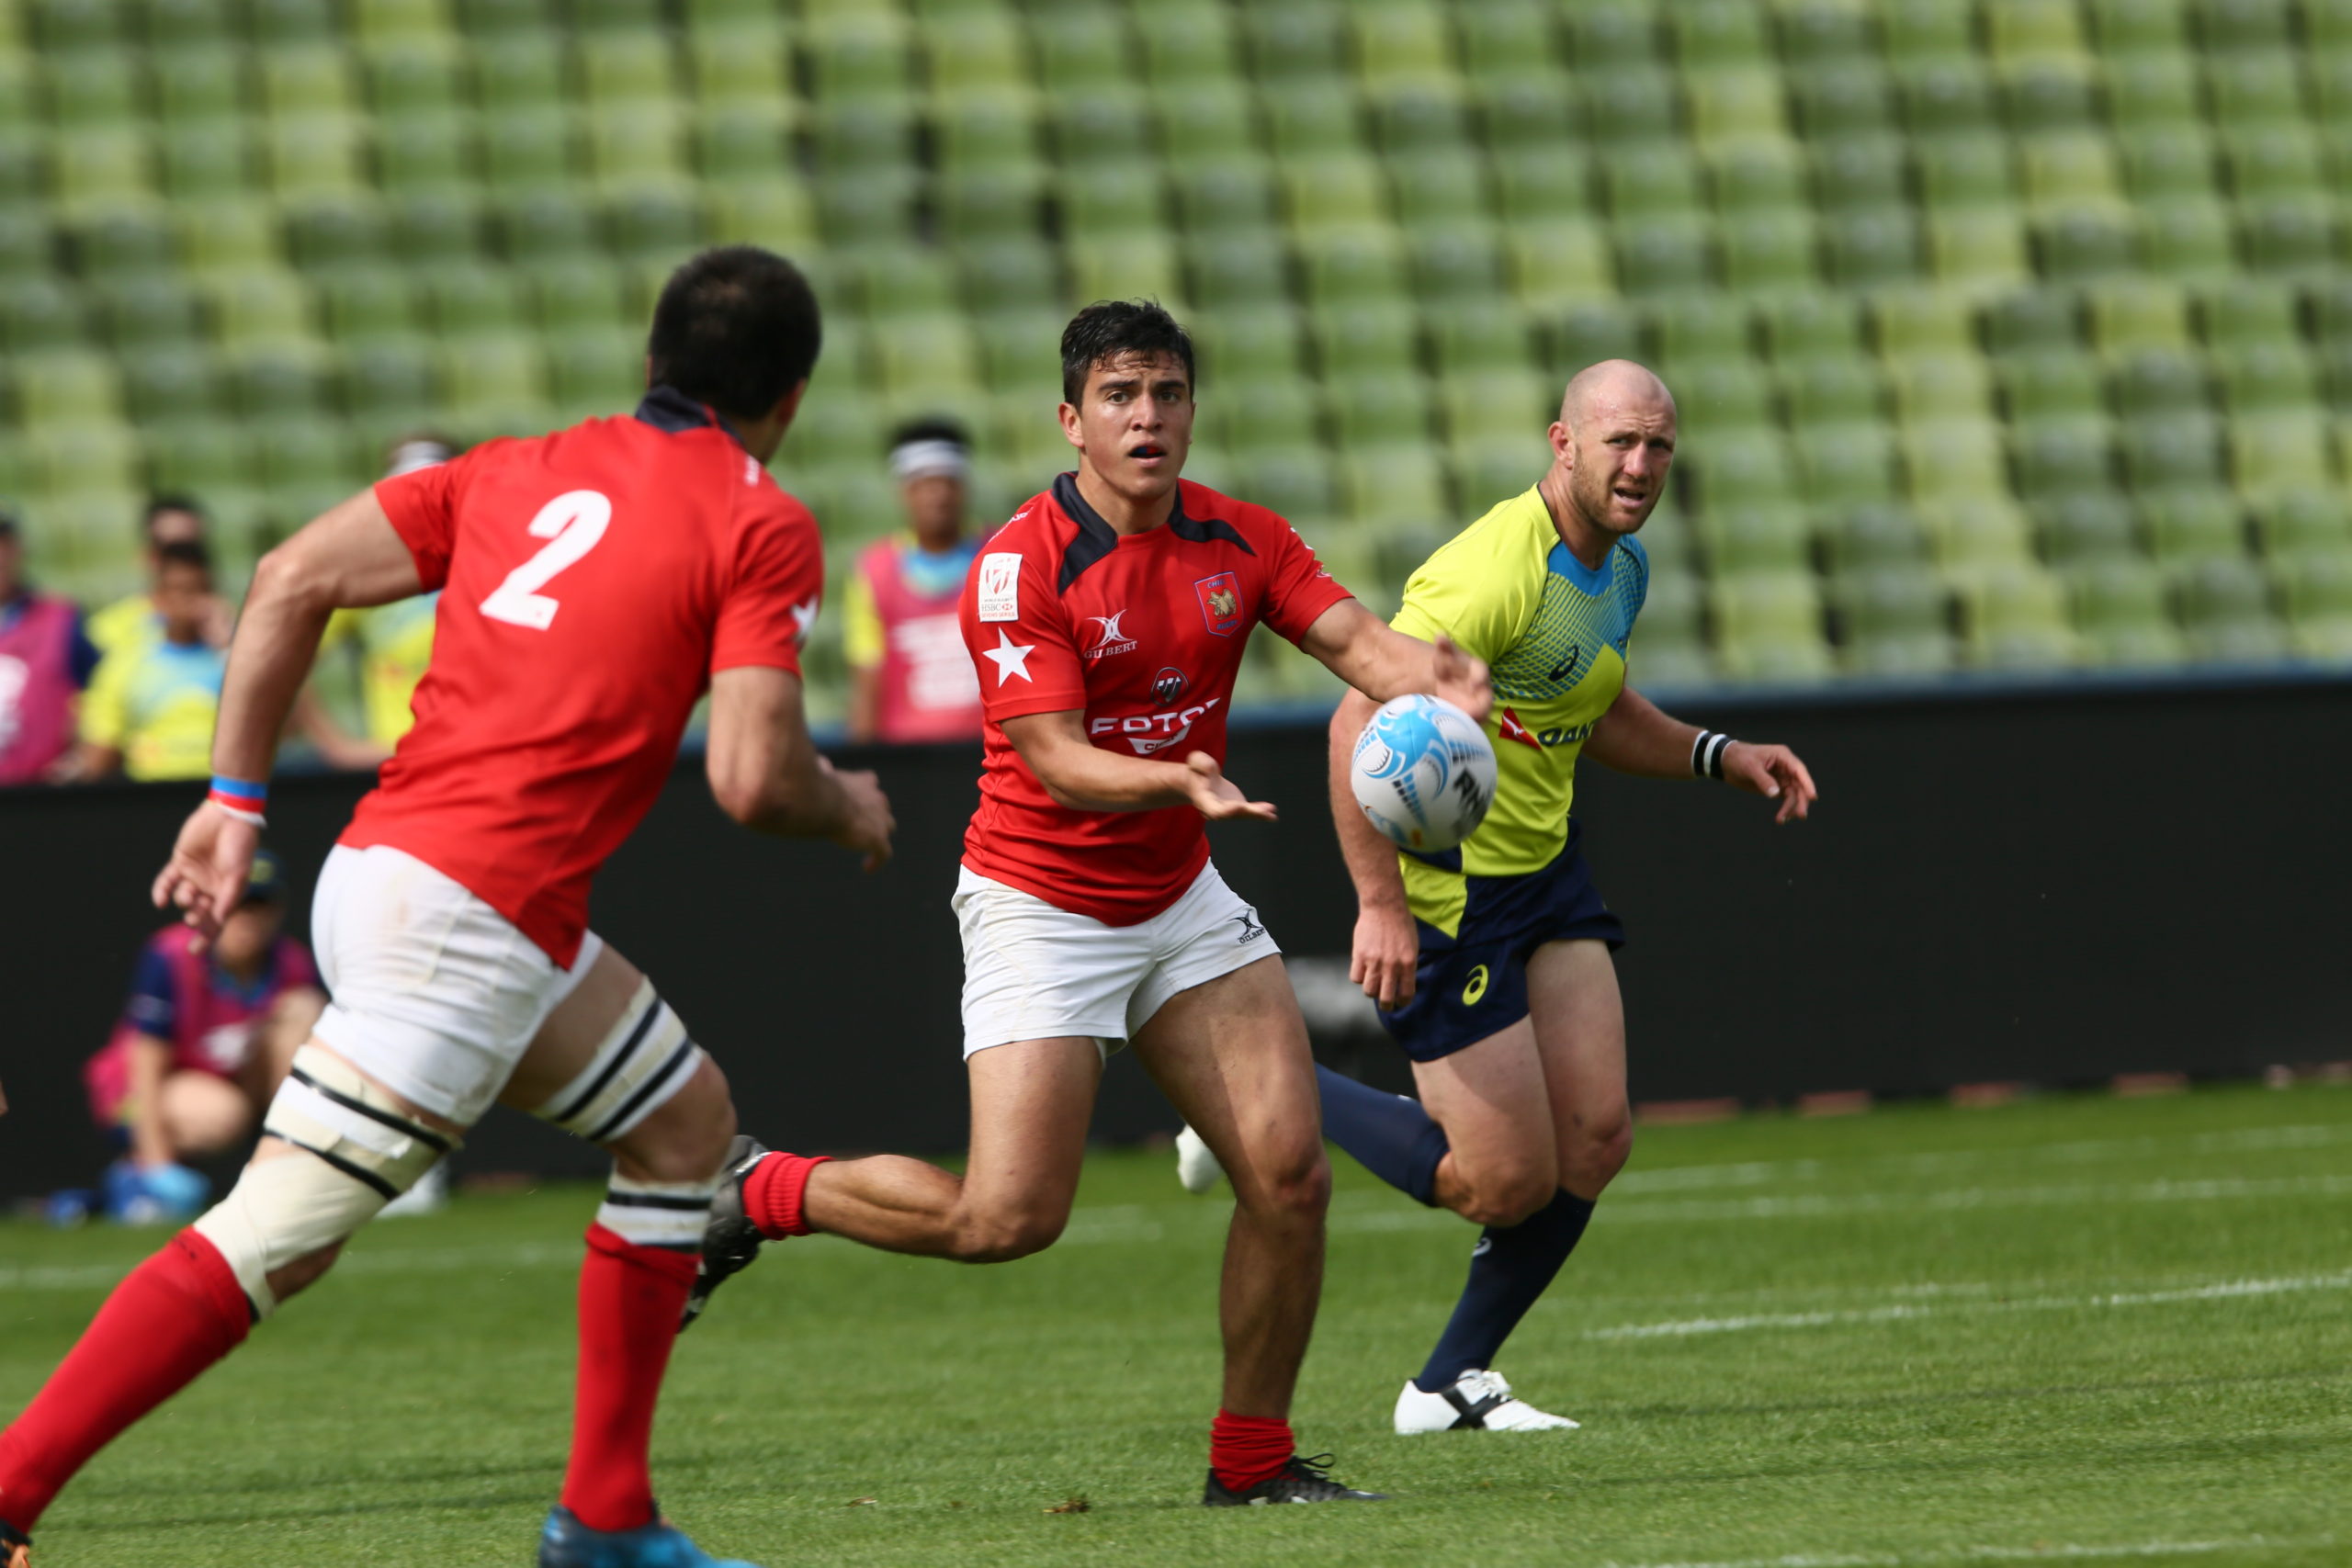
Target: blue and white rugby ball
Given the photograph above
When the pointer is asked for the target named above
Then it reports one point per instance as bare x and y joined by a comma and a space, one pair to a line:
1424, 772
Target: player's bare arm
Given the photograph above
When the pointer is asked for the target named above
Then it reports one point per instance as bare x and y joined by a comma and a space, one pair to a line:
1637, 736
767, 773
349, 557
1081, 776
1381, 662
1386, 949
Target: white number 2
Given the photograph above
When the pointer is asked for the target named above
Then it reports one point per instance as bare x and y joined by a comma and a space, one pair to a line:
572, 523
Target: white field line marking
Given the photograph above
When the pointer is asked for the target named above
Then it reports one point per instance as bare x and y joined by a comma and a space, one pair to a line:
2226, 1289
2059, 1552
387, 1261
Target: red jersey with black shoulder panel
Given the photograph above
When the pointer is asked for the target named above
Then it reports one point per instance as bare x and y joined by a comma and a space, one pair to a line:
1142, 632
594, 579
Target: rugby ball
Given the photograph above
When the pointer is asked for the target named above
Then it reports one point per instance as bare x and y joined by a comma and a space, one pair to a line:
1424, 773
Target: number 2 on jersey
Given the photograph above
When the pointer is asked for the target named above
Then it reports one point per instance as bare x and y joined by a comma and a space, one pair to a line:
572, 523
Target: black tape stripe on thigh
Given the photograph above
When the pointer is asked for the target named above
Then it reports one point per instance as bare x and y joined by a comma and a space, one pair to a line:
655, 1200
352, 1103
644, 1091
358, 1173
587, 1097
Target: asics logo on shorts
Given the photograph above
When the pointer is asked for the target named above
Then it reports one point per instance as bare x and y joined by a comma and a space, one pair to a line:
1477, 988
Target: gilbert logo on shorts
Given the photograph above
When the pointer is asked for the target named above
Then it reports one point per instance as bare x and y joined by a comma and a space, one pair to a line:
1112, 638
1000, 586
1220, 598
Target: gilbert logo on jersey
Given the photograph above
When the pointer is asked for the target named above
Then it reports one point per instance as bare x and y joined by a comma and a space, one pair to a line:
1220, 599
1112, 638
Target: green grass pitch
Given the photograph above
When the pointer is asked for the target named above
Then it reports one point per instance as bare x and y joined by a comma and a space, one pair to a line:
2085, 1330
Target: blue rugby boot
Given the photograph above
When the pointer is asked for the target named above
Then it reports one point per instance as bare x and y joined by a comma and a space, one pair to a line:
568, 1543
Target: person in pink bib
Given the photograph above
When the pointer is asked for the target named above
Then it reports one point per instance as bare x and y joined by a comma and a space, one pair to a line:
910, 679
46, 658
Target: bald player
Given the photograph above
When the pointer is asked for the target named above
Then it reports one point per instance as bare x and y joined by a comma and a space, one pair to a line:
1491, 963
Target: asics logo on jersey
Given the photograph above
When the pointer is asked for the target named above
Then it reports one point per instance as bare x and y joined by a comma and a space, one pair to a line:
1152, 732
1112, 638
1560, 670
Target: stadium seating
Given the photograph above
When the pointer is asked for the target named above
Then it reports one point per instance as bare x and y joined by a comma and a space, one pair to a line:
2007, 335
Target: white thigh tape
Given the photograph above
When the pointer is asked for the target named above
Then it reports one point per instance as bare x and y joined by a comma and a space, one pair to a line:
643, 1062
367, 1152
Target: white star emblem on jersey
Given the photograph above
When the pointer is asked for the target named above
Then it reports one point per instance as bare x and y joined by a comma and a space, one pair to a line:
804, 615
1012, 659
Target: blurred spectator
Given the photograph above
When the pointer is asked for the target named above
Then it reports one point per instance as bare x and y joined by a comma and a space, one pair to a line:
45, 660
170, 520
150, 704
911, 678
203, 1042
391, 644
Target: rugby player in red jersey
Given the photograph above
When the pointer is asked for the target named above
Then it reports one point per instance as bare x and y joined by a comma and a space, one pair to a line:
1107, 621
595, 583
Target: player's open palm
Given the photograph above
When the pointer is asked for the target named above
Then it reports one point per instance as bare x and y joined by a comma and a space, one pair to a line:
1386, 950
1776, 773
1462, 679
206, 876
867, 821
1216, 796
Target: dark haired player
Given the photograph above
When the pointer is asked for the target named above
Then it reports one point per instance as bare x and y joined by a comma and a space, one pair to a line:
1107, 621
595, 583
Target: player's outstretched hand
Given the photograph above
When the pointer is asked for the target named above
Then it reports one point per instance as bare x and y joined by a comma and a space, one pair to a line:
1774, 773
1216, 796
866, 823
1462, 679
206, 876
1386, 950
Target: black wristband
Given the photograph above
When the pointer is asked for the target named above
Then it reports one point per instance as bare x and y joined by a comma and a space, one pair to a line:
1707, 754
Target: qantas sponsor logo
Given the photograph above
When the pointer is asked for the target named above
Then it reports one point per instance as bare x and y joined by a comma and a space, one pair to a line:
1150, 732
1113, 637
1508, 727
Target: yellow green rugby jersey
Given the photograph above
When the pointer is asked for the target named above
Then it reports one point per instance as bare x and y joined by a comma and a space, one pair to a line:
395, 643
1554, 633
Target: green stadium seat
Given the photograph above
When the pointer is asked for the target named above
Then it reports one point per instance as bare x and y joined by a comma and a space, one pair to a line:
1236, 271
100, 165
2069, 169
1556, 264
1769, 628
2083, 244
1632, 105
1085, 48
324, 233
495, 381
1946, 96
66, 25
2058, 460
2274, 162
223, 239
2226, 615
2192, 524
201, 454
1299, 41
592, 373
1248, 341
462, 302
1532, 112
1871, 250
1605, 35
738, 66
40, 313
174, 25
779, 214
377, 21
1650, 179
2045, 96
985, 130
2332, 86
1744, 468
1719, 396
1459, 262
1861, 175
304, 453
2121, 614
283, 380
655, 224
972, 51
2316, 589
875, 208
2033, 320
106, 242
2167, 163
1977, 252
2189, 239
2157, 381
147, 311
743, 142
1765, 177
312, 79
2128, 313
2015, 617
505, 19
1842, 98
23, 157
575, 297
1743, 538
539, 227
2284, 449
1108, 200
1417, 114
1930, 387
1847, 465
617, 69
1503, 37
1380, 411
2296, 522
2290, 237
1297, 481
1437, 189
2152, 93
2258, 26
1824, 32
1730, 105
858, 135
1311, 119
1966, 171
2246, 91
2267, 377
518, 75
248, 306
1388, 486
2057, 386
1830, 390
1398, 39
1710, 33
363, 302
2033, 29
1479, 335
614, 16
2178, 452
1128, 267
1208, 124
1540, 188
278, 22
2080, 525
2327, 24
864, 54
1955, 461
94, 90
2243, 312
983, 205
1665, 256
437, 226
2138, 26
426, 152
1507, 409
1906, 322
1099, 129
1873, 536
1802, 326
1339, 191
1709, 327
206, 161
637, 143
1365, 338
1894, 620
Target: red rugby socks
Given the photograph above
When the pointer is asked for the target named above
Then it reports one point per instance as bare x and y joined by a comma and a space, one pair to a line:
1247, 1450
773, 1193
174, 1315
629, 1300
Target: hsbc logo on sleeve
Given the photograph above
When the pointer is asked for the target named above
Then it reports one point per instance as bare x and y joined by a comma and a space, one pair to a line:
999, 587
1111, 638
1151, 732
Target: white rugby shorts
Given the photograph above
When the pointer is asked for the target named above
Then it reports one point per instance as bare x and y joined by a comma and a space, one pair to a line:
436, 995
1036, 972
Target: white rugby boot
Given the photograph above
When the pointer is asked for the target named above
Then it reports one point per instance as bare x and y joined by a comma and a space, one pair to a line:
1196, 1167
1480, 1400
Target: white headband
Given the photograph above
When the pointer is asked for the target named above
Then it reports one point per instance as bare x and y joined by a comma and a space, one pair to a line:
929, 460
411, 456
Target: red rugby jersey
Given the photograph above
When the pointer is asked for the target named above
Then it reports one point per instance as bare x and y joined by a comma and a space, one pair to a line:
592, 580
1144, 633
